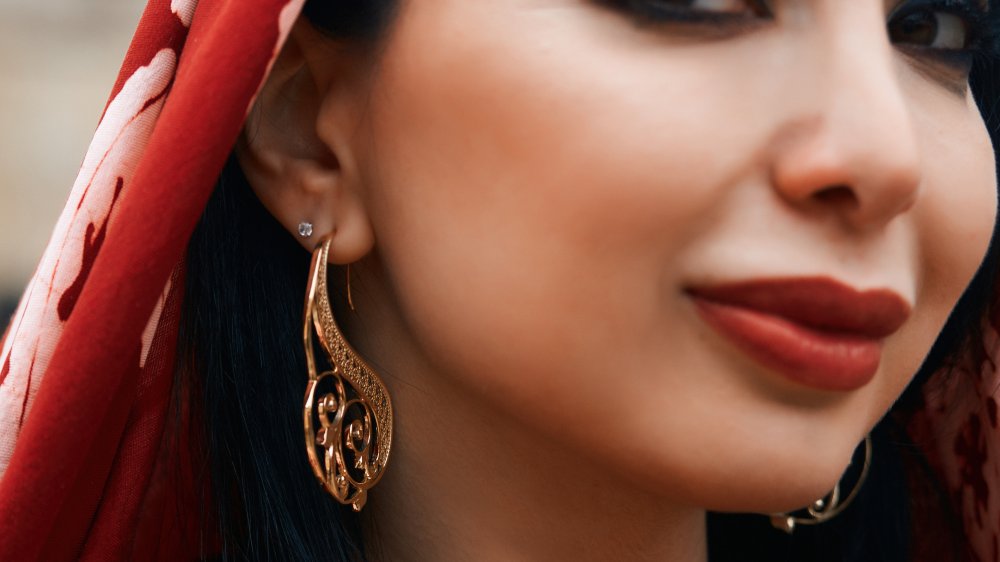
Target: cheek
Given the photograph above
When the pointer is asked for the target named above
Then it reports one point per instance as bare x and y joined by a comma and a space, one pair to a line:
591, 158
956, 214
532, 230
954, 220
588, 174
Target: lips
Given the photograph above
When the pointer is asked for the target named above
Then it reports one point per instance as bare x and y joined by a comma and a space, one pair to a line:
814, 331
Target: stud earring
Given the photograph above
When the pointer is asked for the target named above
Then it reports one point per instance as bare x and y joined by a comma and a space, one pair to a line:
347, 413
305, 229
828, 506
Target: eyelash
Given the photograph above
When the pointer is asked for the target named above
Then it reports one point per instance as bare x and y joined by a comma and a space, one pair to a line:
656, 12
982, 26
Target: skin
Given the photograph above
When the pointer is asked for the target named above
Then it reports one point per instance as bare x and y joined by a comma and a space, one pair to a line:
526, 188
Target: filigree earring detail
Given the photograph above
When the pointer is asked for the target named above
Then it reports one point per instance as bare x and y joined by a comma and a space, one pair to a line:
829, 506
347, 413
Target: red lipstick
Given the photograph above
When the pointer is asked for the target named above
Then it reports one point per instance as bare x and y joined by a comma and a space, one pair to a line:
815, 331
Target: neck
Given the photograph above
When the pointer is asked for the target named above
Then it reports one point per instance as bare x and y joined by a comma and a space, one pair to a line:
467, 483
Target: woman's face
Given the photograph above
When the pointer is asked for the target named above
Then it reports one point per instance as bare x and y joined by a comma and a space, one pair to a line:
705, 248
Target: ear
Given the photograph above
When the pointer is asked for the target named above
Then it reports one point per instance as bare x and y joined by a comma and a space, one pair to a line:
296, 146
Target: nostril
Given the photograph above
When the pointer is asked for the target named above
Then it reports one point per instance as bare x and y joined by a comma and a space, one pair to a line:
839, 196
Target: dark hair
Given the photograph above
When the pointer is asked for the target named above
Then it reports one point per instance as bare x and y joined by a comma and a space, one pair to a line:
241, 354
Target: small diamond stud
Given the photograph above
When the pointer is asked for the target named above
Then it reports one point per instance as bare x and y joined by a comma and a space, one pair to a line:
305, 229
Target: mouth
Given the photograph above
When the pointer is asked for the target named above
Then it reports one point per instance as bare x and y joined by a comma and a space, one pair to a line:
814, 331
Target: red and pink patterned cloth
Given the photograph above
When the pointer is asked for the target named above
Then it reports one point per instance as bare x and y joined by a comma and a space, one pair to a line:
86, 362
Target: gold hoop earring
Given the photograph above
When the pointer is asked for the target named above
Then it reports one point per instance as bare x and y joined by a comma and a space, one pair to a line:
349, 446
350, 299
829, 506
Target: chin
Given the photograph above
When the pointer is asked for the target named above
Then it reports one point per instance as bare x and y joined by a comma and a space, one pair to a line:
784, 484
775, 475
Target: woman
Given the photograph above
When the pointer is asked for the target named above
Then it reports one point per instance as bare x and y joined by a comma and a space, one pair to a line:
617, 264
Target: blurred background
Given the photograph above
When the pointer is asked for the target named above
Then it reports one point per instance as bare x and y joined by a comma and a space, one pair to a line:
58, 61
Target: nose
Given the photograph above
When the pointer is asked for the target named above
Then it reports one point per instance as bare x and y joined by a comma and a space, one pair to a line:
850, 148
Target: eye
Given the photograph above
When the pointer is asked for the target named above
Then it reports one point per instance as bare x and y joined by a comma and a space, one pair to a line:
719, 6
697, 10
934, 29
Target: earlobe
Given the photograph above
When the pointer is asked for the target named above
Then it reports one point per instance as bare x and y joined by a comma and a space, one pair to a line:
298, 176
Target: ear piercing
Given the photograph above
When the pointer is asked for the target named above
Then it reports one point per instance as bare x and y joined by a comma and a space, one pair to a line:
305, 229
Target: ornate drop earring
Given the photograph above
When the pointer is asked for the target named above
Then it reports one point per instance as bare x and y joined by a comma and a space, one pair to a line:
828, 506
347, 412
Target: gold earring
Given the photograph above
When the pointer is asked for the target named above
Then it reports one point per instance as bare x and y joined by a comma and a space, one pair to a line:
349, 447
350, 300
829, 506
